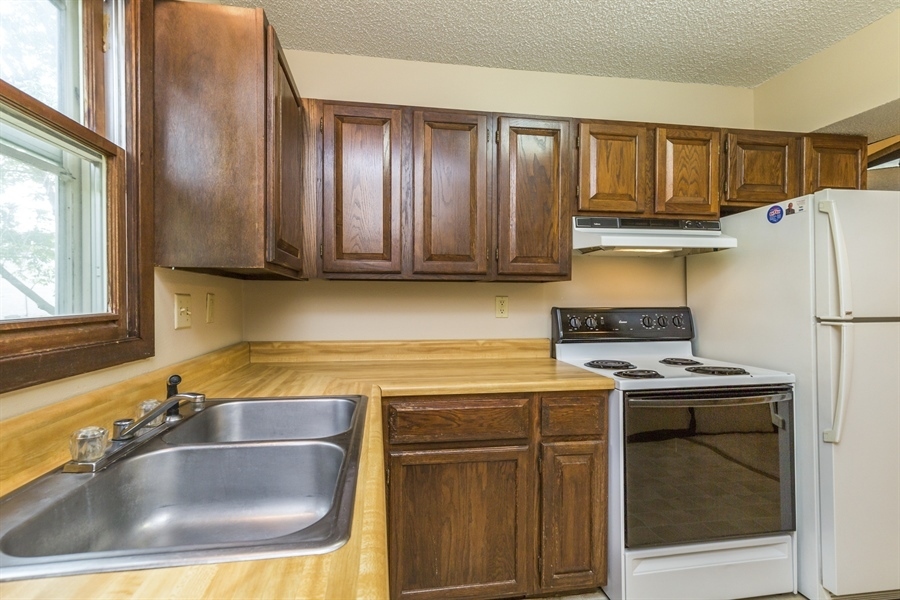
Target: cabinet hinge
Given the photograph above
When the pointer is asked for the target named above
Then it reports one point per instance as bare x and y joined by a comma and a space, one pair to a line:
321, 124
387, 477
726, 144
488, 131
578, 141
496, 253
321, 250
497, 136
577, 191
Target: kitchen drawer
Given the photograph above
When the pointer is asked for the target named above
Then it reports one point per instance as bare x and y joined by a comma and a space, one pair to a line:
457, 420
573, 415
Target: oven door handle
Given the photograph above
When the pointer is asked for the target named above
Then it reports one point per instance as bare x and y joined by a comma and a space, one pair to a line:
666, 402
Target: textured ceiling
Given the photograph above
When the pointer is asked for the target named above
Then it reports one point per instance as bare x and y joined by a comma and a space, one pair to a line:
723, 42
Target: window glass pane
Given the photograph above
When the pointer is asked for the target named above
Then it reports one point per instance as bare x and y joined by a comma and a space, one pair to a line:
53, 224
40, 51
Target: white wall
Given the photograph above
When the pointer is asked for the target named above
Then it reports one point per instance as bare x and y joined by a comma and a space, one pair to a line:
857, 74
171, 346
402, 310
389, 81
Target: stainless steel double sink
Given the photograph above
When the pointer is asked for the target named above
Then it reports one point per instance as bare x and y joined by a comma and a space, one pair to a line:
238, 480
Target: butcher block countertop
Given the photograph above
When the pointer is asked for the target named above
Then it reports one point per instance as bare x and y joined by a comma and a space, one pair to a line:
35, 443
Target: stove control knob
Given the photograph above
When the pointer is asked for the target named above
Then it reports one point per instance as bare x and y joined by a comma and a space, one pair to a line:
647, 321
677, 321
575, 322
591, 322
662, 320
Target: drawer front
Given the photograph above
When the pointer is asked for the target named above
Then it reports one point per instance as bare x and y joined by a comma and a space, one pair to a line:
573, 415
459, 420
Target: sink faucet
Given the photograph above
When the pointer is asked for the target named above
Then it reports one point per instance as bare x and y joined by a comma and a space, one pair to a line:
125, 429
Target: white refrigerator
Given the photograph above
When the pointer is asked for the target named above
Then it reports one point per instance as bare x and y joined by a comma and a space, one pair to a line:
813, 288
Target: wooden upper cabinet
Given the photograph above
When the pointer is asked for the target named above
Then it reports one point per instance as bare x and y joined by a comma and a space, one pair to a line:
760, 168
450, 188
284, 236
687, 172
832, 161
227, 144
533, 197
361, 189
615, 162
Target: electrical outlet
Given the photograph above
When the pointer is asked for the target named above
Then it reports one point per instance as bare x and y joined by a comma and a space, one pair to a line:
182, 311
210, 308
501, 307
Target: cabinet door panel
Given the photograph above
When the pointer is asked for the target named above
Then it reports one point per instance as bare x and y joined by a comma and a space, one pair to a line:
458, 526
450, 212
834, 162
573, 518
361, 189
284, 230
533, 196
614, 163
687, 172
761, 168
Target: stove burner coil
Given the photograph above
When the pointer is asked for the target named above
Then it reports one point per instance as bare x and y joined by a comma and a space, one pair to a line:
638, 374
609, 364
718, 370
680, 362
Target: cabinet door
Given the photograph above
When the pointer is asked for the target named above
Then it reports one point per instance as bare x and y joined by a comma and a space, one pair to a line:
361, 189
533, 195
284, 226
459, 523
573, 517
615, 162
687, 171
450, 214
761, 168
833, 162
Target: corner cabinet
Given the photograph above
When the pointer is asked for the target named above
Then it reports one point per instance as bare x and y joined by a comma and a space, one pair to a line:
227, 144
496, 495
412, 193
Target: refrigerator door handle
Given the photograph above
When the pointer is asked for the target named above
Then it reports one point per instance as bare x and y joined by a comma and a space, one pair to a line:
845, 360
845, 301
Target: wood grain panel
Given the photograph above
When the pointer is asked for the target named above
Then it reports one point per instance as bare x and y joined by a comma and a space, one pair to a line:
450, 187
461, 526
614, 161
687, 172
761, 168
284, 219
493, 349
533, 198
573, 415
458, 419
831, 161
361, 189
573, 523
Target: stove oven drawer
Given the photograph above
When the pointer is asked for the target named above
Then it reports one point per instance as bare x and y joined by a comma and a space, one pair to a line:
462, 419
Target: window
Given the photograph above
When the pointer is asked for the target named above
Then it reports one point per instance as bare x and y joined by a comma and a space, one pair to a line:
75, 219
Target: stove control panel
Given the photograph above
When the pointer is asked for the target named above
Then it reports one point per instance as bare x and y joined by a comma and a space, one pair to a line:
621, 324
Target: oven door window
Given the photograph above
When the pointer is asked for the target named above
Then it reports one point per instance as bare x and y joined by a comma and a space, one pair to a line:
708, 464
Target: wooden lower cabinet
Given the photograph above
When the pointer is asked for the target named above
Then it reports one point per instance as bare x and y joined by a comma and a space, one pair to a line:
496, 496
459, 522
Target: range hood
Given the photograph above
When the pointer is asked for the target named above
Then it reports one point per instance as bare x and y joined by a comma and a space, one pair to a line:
615, 236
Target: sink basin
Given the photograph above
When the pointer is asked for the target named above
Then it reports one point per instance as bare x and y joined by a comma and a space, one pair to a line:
268, 419
216, 494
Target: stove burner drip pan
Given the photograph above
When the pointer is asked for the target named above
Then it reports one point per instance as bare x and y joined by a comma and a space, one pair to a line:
609, 364
717, 370
680, 362
638, 374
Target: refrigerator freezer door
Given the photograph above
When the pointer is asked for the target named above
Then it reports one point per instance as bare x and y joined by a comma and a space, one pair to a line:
857, 251
859, 475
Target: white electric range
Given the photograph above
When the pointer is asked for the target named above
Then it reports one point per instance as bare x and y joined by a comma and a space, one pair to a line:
701, 481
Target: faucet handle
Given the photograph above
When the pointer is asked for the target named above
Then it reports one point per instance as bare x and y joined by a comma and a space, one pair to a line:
88, 443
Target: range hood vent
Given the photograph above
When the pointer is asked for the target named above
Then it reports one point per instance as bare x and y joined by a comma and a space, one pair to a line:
619, 236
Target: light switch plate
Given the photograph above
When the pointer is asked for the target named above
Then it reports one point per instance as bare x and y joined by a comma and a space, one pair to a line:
182, 311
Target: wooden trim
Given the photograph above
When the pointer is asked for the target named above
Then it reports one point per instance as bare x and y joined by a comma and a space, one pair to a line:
884, 151
413, 350
95, 29
72, 347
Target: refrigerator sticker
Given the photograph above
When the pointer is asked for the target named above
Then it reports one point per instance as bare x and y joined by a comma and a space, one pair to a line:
775, 214
790, 209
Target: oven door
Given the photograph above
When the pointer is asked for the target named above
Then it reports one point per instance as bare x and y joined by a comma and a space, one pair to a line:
708, 464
